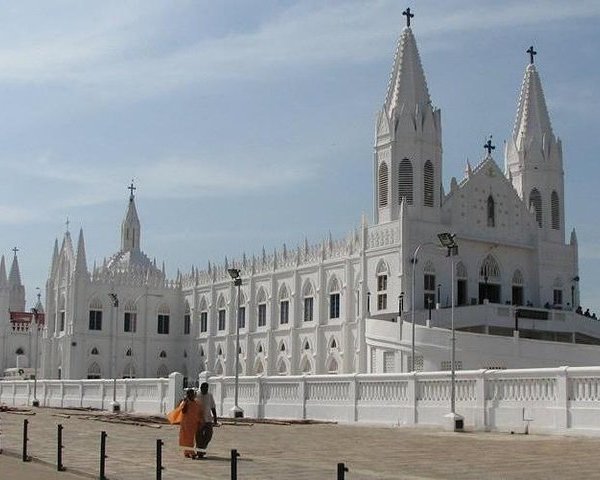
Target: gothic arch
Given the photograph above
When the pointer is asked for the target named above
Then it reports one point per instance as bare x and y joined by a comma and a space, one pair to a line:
94, 371
163, 309
128, 352
259, 347
383, 184
334, 285
129, 371
95, 304
162, 371
307, 289
282, 346
283, 292
129, 306
219, 368
382, 268
283, 367
332, 365
259, 366
94, 351
461, 270
162, 354
306, 365
306, 346
221, 302
405, 181
490, 269
333, 343
261, 295
429, 267
491, 212
517, 278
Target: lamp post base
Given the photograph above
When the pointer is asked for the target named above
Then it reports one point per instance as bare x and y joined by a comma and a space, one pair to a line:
237, 412
115, 407
35, 402
454, 422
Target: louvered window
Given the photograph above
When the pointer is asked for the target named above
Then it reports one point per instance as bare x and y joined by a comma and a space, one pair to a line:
405, 181
555, 206
383, 185
491, 212
428, 184
535, 201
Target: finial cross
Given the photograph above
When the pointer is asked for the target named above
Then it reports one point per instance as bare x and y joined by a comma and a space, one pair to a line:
531, 53
408, 16
131, 188
15, 249
489, 147
67, 223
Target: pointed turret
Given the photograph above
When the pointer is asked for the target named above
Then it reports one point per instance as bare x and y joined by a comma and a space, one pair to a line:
534, 156
407, 88
16, 289
3, 280
80, 259
54, 264
130, 228
14, 277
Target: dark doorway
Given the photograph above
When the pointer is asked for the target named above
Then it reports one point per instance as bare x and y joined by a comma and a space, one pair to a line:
517, 295
491, 291
461, 292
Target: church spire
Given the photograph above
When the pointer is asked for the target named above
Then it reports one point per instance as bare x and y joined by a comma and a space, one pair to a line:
532, 124
80, 259
14, 277
130, 228
407, 88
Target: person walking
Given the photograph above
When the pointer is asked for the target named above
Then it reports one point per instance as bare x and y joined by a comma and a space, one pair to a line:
205, 432
192, 420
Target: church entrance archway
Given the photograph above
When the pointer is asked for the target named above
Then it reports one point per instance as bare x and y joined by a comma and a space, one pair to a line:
489, 291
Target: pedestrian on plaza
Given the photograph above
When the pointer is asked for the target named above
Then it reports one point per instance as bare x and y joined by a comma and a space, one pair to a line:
192, 420
205, 433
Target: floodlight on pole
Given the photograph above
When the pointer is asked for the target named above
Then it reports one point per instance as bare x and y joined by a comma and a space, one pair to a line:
237, 411
457, 421
115, 406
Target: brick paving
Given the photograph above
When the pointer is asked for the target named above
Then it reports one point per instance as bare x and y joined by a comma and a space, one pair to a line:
302, 452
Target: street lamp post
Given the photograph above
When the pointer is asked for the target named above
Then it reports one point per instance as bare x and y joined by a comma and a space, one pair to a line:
34, 311
115, 406
412, 302
237, 411
457, 421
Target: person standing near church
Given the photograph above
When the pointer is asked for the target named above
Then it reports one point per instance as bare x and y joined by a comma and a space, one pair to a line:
192, 420
205, 433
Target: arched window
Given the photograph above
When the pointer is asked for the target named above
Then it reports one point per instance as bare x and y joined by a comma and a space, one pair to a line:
429, 285
261, 300
382, 281
489, 281
128, 352
334, 298
491, 212
241, 310
162, 354
306, 345
383, 185
332, 366
259, 367
163, 319
162, 372
284, 306
95, 314
221, 314
94, 351
203, 315
405, 181
305, 365
517, 287
555, 207
94, 371
20, 351
129, 370
282, 347
130, 317
490, 269
428, 190
282, 368
535, 202
333, 344
187, 319
309, 301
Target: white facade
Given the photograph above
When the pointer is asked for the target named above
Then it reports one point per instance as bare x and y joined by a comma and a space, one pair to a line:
307, 310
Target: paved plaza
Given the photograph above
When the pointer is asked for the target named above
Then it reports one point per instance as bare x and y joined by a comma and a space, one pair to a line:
295, 452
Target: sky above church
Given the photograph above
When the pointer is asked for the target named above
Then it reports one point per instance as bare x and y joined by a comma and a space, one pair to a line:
250, 123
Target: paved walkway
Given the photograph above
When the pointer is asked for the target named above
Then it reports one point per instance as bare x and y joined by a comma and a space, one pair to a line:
301, 452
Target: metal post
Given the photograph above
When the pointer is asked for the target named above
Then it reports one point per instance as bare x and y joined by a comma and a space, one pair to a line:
159, 465
453, 355
237, 351
25, 457
234, 457
103, 456
341, 471
36, 402
59, 449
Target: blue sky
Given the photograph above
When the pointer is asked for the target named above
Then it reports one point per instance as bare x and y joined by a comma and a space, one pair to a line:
251, 123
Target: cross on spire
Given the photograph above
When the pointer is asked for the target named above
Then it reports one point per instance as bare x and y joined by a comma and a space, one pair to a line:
531, 53
67, 223
408, 16
489, 147
131, 189
15, 249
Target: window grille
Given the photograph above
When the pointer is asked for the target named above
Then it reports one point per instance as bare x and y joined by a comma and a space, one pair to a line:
308, 309
428, 190
203, 322
163, 324
221, 319
383, 185
535, 201
405, 181
334, 305
262, 315
284, 312
242, 317
95, 320
555, 207
389, 362
130, 322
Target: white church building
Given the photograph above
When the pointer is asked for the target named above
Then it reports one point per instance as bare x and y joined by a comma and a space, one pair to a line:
346, 305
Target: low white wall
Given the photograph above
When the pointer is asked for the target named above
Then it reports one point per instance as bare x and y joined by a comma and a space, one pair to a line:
546, 400
144, 395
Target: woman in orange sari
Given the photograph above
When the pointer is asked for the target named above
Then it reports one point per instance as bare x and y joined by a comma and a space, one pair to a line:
192, 418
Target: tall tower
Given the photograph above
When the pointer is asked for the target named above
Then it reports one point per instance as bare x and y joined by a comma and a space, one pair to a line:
408, 145
16, 288
130, 228
534, 157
